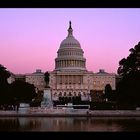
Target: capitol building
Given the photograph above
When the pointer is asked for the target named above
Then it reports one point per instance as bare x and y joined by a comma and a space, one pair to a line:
71, 77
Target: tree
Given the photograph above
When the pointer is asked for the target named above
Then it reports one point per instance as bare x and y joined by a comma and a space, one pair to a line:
22, 91
47, 78
108, 91
38, 98
129, 69
18, 91
4, 75
4, 86
130, 64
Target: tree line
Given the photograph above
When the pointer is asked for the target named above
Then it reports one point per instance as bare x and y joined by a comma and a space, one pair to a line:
16, 92
128, 89
127, 93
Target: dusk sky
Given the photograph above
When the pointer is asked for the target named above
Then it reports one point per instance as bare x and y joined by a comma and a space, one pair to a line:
30, 38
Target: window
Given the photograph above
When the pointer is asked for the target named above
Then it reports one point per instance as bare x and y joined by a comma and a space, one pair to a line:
70, 94
60, 94
64, 93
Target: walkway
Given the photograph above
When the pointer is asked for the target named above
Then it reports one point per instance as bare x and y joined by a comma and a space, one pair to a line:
44, 112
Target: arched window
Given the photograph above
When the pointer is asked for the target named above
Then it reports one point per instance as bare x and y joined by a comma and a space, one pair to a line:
64, 93
70, 94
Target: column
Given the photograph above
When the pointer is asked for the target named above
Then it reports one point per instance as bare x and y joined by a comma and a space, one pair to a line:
57, 79
72, 79
65, 63
82, 79
61, 63
64, 79
61, 79
56, 64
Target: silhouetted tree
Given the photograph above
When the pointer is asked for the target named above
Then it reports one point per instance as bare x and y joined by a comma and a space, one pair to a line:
129, 69
47, 78
22, 91
4, 86
18, 91
108, 92
4, 75
130, 64
38, 98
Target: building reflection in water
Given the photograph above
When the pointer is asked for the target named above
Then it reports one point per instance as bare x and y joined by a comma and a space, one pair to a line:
69, 124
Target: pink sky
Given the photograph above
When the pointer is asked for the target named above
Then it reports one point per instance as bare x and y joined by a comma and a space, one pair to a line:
30, 38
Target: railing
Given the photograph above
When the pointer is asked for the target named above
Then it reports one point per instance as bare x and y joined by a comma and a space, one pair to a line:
71, 106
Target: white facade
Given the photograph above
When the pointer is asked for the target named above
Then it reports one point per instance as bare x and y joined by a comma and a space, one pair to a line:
37, 79
72, 83
101, 79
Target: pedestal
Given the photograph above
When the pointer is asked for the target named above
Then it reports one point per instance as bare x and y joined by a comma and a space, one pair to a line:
47, 99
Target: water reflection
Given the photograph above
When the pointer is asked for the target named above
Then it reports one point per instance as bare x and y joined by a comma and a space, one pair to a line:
69, 124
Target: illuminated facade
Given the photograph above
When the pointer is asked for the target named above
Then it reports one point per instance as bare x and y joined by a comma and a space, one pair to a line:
70, 76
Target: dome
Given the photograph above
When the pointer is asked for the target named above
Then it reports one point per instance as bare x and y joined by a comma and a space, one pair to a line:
70, 41
70, 54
